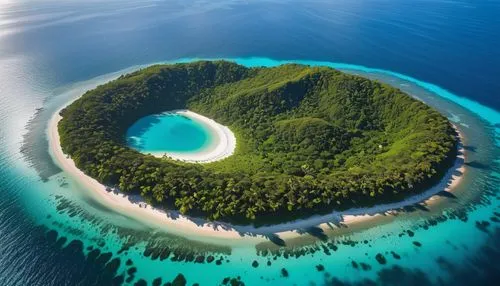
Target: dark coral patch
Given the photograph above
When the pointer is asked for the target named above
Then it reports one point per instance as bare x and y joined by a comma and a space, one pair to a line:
284, 272
380, 258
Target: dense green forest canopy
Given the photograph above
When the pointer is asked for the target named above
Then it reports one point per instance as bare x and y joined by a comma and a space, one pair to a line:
308, 139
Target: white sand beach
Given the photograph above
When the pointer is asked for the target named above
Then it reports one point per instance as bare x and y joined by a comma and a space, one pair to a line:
222, 145
123, 204
225, 233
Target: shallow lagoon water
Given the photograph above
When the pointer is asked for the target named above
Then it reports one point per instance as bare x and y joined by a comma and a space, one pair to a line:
51, 227
168, 132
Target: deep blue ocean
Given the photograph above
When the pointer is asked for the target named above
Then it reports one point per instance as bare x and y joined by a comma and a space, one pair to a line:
53, 51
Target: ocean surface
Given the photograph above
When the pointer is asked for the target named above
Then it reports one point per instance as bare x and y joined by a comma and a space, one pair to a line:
446, 53
168, 132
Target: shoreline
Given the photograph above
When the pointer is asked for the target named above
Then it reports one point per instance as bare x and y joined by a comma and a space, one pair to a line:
200, 229
221, 147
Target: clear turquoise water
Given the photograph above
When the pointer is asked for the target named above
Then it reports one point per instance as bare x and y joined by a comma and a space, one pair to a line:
443, 52
448, 237
168, 132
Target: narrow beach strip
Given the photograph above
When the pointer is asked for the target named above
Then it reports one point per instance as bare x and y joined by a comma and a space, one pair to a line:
199, 229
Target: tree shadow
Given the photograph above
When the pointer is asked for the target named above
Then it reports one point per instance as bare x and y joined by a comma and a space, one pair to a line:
416, 207
446, 194
274, 238
469, 148
316, 232
477, 165
335, 224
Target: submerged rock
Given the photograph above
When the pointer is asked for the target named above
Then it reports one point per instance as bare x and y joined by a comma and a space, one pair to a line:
284, 272
179, 280
104, 258
325, 249
157, 281
232, 281
483, 225
132, 271
354, 264
118, 280
381, 258
129, 279
199, 259
365, 266
113, 265
395, 255
92, 256
218, 262
141, 282
333, 246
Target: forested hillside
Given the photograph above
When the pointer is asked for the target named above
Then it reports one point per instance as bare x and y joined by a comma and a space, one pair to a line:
308, 139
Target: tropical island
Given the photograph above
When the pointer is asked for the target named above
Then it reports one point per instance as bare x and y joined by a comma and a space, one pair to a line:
308, 140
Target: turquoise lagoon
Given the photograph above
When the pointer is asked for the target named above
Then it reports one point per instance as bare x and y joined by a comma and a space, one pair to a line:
421, 243
168, 132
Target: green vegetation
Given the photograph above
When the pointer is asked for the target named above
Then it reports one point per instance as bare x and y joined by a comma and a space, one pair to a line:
309, 139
